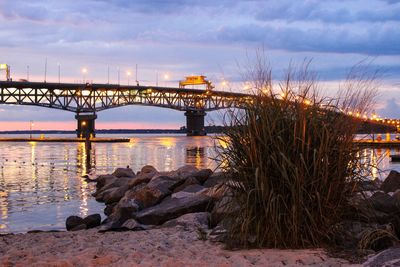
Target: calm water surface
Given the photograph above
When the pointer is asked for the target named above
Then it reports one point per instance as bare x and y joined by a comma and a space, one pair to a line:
41, 184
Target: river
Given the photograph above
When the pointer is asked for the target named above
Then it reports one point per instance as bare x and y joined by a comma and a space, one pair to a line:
41, 183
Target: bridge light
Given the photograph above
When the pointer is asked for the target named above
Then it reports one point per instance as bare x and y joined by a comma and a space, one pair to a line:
128, 73
83, 123
166, 76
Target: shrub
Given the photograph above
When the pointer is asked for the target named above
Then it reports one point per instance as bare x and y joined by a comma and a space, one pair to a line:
291, 158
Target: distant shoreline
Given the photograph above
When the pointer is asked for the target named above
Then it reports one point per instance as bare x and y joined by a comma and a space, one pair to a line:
209, 129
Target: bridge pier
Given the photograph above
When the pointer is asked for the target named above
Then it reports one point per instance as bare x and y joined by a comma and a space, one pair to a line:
85, 127
195, 123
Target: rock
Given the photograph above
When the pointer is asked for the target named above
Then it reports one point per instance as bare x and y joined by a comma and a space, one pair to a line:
350, 234
218, 234
396, 195
388, 257
112, 184
222, 209
369, 185
172, 208
203, 175
109, 208
186, 171
391, 183
384, 202
123, 172
218, 191
148, 169
190, 220
73, 221
144, 176
115, 194
132, 224
215, 179
157, 189
92, 221
148, 196
189, 191
110, 225
102, 180
79, 227
188, 181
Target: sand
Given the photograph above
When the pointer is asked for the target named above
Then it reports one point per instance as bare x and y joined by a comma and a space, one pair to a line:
177, 246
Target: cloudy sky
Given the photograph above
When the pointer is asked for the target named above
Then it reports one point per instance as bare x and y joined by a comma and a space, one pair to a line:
183, 37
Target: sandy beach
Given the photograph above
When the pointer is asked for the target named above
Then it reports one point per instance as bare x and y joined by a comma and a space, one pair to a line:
177, 246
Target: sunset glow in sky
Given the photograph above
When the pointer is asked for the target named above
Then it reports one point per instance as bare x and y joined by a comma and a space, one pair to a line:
172, 39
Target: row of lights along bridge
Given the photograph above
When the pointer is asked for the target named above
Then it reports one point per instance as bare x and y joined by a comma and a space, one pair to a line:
85, 72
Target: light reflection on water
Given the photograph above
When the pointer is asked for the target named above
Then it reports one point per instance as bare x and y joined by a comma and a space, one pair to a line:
41, 184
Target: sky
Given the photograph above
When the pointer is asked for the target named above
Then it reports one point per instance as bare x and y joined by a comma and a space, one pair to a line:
177, 38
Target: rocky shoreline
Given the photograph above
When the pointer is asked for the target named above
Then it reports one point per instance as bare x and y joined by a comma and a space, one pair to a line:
189, 204
151, 199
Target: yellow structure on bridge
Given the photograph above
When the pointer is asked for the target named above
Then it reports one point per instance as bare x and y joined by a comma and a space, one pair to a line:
196, 80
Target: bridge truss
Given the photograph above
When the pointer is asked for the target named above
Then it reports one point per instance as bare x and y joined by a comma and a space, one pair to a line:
92, 98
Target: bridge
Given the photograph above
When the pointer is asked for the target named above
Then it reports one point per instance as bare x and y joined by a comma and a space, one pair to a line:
86, 100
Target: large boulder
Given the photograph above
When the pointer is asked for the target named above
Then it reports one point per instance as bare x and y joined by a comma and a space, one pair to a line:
172, 208
119, 182
115, 194
223, 208
384, 202
215, 179
155, 191
123, 172
189, 191
388, 257
350, 234
133, 225
186, 171
92, 221
108, 210
73, 221
188, 181
103, 180
203, 174
391, 183
144, 176
190, 220
369, 185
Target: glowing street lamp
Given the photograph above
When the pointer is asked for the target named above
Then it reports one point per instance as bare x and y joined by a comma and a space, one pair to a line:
166, 78
84, 72
128, 73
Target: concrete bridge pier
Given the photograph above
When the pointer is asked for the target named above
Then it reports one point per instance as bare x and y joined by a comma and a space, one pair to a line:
195, 122
85, 127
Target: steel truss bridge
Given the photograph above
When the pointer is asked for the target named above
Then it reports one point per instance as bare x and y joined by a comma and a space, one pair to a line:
87, 99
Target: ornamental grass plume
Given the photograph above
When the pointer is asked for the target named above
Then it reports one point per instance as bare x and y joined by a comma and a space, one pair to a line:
291, 159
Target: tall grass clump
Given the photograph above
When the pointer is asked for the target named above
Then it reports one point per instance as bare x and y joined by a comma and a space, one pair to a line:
291, 159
